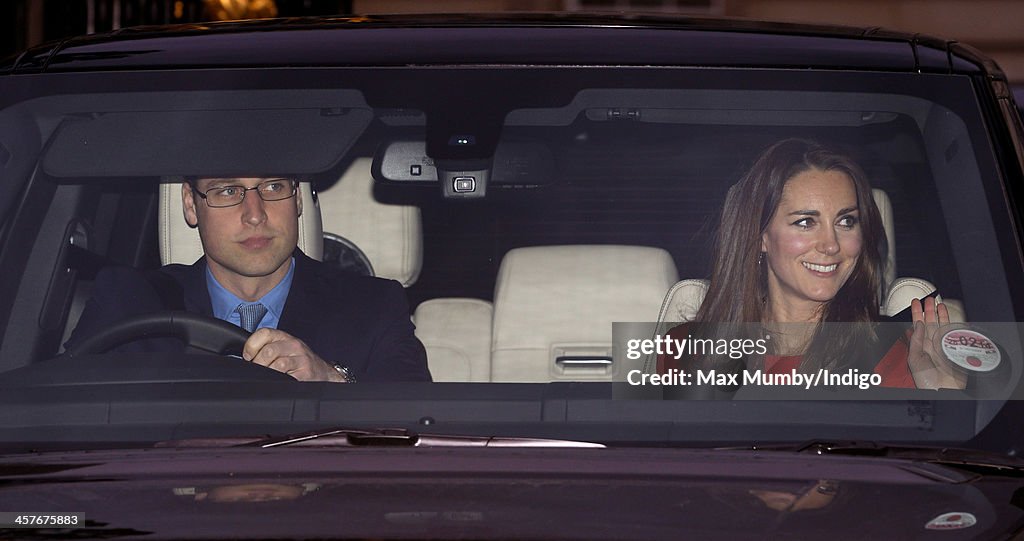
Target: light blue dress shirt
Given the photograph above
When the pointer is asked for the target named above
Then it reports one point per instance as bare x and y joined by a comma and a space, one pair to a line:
225, 302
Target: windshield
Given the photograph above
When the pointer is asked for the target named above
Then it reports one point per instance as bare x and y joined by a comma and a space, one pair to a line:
548, 247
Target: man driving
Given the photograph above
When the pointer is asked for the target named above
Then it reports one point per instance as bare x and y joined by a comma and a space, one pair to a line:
307, 319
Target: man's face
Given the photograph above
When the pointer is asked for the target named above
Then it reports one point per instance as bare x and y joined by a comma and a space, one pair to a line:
253, 239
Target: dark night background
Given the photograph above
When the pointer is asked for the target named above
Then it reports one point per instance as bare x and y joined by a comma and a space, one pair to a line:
58, 19
993, 26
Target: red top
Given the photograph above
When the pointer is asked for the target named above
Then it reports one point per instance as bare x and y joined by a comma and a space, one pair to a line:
893, 367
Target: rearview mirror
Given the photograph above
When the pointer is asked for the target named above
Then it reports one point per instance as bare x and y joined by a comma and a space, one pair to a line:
515, 162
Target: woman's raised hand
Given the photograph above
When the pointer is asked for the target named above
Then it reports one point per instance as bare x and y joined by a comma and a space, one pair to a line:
928, 365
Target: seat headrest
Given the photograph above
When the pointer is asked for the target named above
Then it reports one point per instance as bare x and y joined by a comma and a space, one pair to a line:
683, 301
391, 236
551, 294
904, 290
180, 243
886, 213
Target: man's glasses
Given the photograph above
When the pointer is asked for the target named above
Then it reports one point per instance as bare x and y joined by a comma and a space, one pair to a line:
275, 189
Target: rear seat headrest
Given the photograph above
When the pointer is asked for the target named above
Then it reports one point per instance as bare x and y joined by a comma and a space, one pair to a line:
391, 236
553, 303
888, 224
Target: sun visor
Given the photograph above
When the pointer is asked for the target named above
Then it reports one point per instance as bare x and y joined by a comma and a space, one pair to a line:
204, 142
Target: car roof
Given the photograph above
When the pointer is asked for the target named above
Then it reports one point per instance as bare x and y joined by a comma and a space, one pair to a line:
530, 38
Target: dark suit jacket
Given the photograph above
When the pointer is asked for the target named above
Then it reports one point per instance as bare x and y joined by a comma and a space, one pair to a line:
357, 321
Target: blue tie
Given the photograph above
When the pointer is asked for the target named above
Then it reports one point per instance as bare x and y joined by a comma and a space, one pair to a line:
251, 315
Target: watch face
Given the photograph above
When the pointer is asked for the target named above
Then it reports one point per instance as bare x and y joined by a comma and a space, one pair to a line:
345, 373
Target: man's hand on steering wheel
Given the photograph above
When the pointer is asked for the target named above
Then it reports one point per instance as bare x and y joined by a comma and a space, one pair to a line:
269, 348
283, 352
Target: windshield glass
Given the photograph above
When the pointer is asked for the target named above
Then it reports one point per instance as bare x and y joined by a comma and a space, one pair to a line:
612, 255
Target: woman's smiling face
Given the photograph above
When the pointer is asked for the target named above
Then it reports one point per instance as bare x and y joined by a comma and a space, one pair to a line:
811, 244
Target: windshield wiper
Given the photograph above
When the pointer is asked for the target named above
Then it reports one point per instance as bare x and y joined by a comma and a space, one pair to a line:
381, 437
400, 437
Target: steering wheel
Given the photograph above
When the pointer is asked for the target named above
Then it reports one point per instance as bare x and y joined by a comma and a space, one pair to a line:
200, 332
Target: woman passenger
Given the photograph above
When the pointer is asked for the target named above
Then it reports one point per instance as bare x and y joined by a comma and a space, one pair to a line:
800, 248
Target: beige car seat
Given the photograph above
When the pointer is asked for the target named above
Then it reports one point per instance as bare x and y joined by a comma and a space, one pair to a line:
554, 307
456, 332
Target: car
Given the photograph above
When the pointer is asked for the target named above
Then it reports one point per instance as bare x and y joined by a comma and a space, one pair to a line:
546, 188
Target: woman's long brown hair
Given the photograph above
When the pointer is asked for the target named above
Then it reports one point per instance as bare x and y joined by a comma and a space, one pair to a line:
739, 283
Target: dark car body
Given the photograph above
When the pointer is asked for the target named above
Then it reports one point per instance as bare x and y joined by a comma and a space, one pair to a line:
586, 132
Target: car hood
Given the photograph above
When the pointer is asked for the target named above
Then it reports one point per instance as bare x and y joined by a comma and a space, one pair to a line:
481, 493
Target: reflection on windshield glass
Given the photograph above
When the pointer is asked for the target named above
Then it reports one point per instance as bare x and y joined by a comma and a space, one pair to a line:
251, 492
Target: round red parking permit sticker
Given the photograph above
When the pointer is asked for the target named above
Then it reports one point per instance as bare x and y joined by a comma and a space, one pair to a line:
970, 350
951, 521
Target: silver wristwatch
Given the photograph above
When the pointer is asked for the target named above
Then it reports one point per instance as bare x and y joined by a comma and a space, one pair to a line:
345, 373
